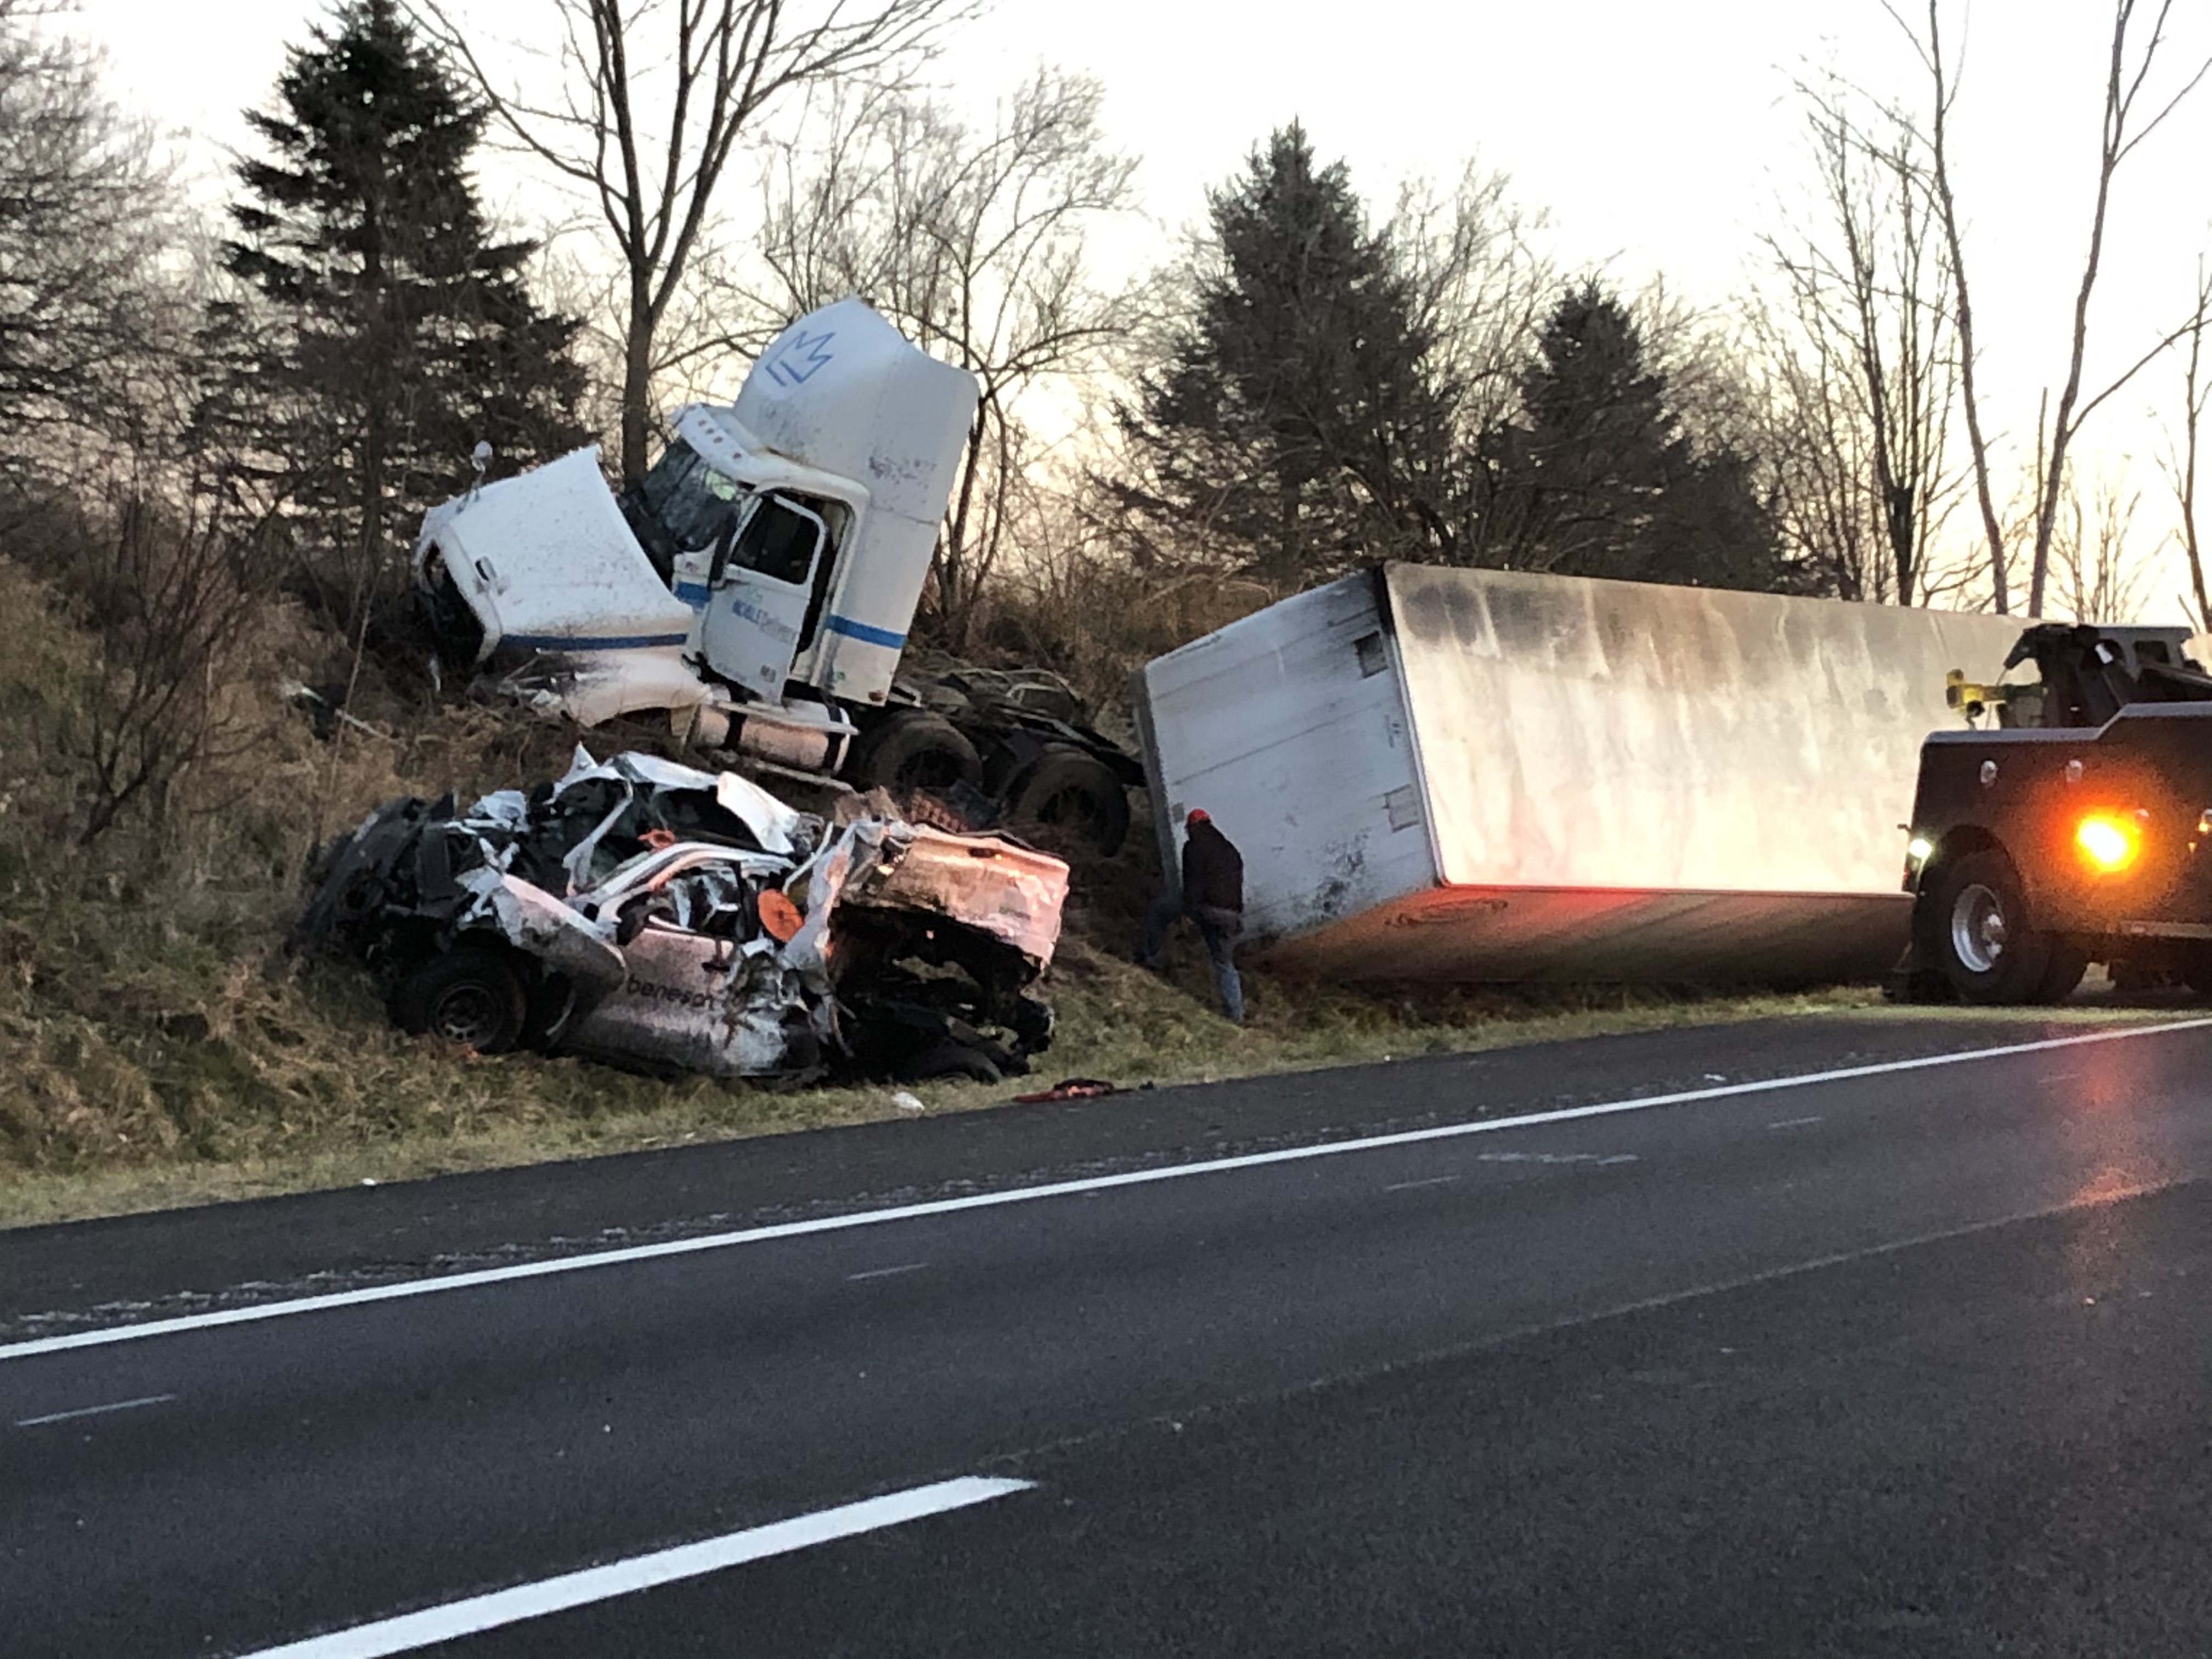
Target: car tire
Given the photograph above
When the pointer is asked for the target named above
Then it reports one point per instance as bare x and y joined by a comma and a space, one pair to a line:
470, 996
913, 749
551, 1008
1066, 789
1978, 935
951, 1059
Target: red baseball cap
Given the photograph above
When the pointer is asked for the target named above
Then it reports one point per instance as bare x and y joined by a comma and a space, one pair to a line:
1198, 815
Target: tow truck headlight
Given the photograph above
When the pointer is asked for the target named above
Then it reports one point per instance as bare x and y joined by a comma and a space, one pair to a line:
2109, 841
1918, 849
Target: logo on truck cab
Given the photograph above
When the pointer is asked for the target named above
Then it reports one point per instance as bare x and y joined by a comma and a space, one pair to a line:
799, 361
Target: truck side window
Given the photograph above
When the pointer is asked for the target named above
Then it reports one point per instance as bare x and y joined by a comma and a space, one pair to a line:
779, 540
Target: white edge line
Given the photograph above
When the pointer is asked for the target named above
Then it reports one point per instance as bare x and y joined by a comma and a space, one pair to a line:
641, 1573
1054, 1189
95, 1411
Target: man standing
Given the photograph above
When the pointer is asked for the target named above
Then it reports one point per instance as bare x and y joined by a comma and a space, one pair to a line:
1212, 897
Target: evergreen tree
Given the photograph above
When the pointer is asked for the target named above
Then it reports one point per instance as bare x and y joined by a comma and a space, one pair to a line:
1294, 419
1596, 478
392, 333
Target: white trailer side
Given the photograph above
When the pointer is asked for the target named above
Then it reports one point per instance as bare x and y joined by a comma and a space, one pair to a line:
1474, 774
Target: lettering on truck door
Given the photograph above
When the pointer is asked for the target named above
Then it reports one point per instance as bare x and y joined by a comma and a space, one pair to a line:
756, 605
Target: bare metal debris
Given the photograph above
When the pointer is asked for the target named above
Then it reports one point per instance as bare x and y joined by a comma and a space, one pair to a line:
651, 915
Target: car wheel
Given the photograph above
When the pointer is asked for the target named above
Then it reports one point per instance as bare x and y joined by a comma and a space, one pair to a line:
470, 996
1067, 789
551, 1008
1978, 933
951, 1059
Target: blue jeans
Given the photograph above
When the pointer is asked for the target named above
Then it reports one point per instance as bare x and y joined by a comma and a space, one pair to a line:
1218, 929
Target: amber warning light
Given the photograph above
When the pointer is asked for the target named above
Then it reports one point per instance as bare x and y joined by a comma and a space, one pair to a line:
2108, 840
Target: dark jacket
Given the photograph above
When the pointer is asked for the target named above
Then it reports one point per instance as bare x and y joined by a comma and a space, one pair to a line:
1212, 871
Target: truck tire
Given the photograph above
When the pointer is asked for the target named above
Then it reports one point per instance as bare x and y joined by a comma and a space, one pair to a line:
1066, 789
913, 749
470, 996
1977, 933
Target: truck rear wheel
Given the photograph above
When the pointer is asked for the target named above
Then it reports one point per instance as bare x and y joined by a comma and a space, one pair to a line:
913, 749
1065, 788
1979, 934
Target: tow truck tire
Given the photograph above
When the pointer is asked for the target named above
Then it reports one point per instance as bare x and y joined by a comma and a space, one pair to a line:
1065, 788
2196, 972
471, 996
1977, 933
912, 749
2069, 962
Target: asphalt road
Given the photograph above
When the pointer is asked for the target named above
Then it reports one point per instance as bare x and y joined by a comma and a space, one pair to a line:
1468, 1356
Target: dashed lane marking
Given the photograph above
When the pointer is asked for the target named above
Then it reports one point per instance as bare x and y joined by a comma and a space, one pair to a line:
454, 1620
885, 1273
95, 1411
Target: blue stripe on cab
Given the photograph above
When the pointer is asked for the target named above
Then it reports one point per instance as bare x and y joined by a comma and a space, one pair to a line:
593, 642
866, 635
691, 593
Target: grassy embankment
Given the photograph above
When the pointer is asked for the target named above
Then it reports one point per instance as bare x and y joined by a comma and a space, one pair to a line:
158, 1046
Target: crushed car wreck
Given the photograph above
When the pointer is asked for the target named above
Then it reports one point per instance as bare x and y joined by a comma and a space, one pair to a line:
650, 914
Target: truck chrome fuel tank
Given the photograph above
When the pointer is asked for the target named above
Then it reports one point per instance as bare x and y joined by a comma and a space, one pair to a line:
1489, 776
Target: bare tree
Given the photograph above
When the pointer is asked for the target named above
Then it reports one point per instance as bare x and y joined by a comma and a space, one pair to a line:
652, 97
2127, 75
2123, 85
1482, 286
87, 312
974, 242
1944, 80
1865, 370
2098, 580
2179, 462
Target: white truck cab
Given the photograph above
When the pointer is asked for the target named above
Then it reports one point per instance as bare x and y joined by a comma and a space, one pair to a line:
764, 572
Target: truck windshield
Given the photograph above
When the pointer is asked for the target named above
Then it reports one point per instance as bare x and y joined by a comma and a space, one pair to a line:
688, 498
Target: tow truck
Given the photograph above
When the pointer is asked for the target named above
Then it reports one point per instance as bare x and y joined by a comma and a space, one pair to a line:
2070, 822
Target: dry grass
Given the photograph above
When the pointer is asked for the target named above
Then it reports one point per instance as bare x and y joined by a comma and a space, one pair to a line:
162, 1049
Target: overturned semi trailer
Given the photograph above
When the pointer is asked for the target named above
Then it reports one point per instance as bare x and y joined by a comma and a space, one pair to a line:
1488, 776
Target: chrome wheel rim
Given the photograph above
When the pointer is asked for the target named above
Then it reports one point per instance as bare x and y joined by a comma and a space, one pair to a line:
1977, 929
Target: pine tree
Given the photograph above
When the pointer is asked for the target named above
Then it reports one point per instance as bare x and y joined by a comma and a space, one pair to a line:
1597, 478
1294, 420
391, 333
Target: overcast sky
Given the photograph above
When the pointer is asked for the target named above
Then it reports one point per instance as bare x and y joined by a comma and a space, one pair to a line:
1659, 137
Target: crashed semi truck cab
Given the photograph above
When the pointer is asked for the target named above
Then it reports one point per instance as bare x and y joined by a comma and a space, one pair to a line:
2070, 824
759, 582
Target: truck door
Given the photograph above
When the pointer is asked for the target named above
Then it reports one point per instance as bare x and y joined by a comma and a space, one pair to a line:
759, 591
